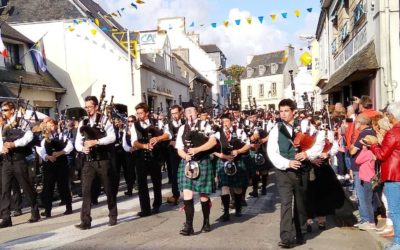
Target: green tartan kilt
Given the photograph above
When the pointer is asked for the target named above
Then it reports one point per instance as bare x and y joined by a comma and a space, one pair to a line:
205, 183
251, 166
239, 180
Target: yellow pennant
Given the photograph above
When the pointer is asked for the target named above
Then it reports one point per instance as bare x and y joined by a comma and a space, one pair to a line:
273, 17
135, 49
139, 1
226, 23
71, 28
297, 13
249, 19
97, 22
93, 31
114, 14
305, 58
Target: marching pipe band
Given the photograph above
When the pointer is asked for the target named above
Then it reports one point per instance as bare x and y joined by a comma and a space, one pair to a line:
229, 151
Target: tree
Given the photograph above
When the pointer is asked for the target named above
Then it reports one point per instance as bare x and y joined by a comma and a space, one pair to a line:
235, 72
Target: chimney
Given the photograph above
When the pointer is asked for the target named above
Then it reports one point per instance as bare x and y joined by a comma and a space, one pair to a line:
290, 51
249, 59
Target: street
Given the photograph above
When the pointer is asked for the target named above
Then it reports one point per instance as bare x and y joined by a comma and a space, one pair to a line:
257, 229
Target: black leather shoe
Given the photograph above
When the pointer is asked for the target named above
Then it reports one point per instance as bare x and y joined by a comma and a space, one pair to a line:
6, 223
16, 213
143, 214
300, 240
83, 226
155, 210
186, 230
263, 191
112, 222
128, 193
224, 218
254, 194
35, 217
206, 226
46, 214
285, 244
68, 211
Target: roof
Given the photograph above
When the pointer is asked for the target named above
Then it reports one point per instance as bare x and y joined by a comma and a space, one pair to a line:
44, 80
210, 48
364, 60
266, 60
198, 75
8, 32
27, 11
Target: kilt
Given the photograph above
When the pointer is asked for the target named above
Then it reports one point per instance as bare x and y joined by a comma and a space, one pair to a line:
239, 180
205, 183
251, 166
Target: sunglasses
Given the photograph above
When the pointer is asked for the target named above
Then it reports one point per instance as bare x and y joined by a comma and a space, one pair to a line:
130, 120
5, 110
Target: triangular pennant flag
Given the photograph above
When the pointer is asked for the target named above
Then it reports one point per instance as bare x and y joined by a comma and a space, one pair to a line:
202, 25
284, 14
134, 5
226, 23
285, 56
214, 25
261, 19
113, 14
97, 22
139, 1
119, 13
104, 28
297, 13
309, 10
192, 24
93, 31
76, 21
71, 28
249, 19
107, 16
84, 20
273, 17
122, 9
237, 22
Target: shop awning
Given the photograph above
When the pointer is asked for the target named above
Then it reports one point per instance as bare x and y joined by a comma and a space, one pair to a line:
361, 64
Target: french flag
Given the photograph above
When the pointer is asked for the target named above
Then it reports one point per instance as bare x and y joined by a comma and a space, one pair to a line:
3, 50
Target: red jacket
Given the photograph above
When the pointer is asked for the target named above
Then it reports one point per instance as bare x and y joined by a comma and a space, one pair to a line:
389, 154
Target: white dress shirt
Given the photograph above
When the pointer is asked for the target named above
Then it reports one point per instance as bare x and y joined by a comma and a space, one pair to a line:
67, 149
21, 142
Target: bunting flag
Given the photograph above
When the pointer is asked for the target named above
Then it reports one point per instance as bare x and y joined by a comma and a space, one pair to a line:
192, 24
39, 56
249, 20
309, 10
297, 13
71, 28
139, 1
237, 22
76, 21
122, 9
273, 17
104, 28
93, 31
134, 5
97, 22
284, 14
119, 13
3, 50
285, 56
113, 14
214, 25
226, 23
261, 19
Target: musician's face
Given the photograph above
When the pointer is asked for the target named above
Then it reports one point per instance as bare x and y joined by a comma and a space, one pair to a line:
141, 115
7, 112
253, 118
286, 114
175, 114
236, 114
191, 113
51, 127
226, 123
90, 108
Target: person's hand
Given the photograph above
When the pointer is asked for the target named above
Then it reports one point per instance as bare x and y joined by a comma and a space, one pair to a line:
369, 140
51, 158
90, 143
153, 141
4, 150
294, 164
317, 161
86, 150
324, 156
234, 153
132, 149
187, 157
192, 151
9, 145
301, 156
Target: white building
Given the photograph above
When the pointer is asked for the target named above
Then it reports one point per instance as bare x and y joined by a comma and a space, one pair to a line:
266, 77
360, 41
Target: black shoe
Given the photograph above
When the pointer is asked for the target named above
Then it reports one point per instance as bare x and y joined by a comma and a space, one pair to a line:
46, 214
6, 223
112, 221
238, 213
309, 228
16, 213
155, 210
224, 218
254, 194
35, 217
83, 226
300, 240
128, 193
186, 230
143, 214
285, 244
206, 226
263, 191
68, 211
321, 226
244, 203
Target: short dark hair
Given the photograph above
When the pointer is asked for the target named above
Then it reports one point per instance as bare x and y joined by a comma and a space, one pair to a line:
9, 104
287, 102
176, 106
143, 106
93, 99
366, 102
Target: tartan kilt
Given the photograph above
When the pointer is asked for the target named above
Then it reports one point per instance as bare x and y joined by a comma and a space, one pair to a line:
250, 164
239, 180
205, 183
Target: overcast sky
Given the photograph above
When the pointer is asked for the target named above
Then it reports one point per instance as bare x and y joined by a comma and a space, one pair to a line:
235, 41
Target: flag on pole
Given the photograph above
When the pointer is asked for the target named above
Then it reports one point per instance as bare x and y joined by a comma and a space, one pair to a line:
3, 50
39, 56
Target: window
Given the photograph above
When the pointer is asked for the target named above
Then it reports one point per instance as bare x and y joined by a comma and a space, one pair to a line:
273, 89
358, 13
261, 90
334, 47
261, 70
14, 58
344, 33
45, 111
250, 71
274, 68
249, 91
